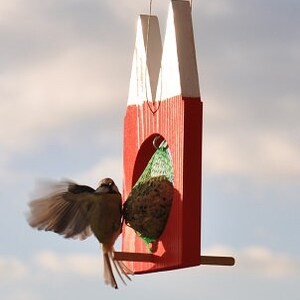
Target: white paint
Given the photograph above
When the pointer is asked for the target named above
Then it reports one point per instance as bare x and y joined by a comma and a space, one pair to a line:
144, 73
178, 74
169, 78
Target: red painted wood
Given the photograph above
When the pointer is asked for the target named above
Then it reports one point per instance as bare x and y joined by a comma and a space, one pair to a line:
179, 121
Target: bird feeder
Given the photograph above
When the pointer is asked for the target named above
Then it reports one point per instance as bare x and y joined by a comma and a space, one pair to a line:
164, 104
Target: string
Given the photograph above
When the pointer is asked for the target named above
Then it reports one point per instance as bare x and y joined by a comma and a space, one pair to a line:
145, 75
147, 44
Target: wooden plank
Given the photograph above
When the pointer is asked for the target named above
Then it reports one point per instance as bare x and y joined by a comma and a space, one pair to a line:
217, 260
138, 257
148, 257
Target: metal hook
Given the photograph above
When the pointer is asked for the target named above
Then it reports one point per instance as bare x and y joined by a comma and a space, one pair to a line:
160, 142
155, 140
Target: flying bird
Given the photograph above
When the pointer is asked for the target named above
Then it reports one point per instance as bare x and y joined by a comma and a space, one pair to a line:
78, 211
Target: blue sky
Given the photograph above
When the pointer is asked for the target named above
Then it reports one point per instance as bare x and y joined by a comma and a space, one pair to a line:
64, 75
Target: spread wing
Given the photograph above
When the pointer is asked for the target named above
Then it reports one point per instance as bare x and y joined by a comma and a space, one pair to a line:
64, 209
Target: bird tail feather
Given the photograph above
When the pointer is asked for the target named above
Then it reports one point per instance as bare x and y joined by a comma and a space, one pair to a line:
109, 277
121, 269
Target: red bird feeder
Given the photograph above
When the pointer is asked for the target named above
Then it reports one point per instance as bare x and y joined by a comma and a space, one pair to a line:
164, 103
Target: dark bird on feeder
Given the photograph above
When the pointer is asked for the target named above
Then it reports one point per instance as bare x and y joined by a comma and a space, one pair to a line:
79, 211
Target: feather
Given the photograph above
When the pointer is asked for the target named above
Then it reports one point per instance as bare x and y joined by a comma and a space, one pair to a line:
78, 211
63, 212
119, 267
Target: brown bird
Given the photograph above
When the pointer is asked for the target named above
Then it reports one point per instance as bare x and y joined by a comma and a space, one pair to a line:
78, 211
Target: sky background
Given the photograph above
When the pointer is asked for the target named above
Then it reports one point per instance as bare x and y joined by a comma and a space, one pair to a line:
64, 76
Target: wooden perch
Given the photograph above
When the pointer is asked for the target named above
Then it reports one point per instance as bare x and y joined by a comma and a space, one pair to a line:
152, 258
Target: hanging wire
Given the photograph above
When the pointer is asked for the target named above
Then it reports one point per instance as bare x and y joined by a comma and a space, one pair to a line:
147, 44
148, 25
145, 71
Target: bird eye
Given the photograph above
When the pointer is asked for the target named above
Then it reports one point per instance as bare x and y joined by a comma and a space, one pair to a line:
106, 184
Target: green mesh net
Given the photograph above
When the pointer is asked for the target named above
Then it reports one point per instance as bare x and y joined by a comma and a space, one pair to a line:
148, 205
160, 164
